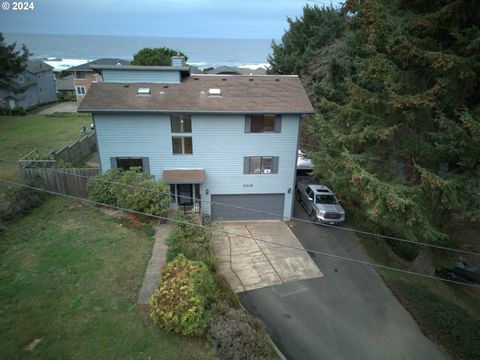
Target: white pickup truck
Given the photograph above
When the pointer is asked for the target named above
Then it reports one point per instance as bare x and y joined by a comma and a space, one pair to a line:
320, 203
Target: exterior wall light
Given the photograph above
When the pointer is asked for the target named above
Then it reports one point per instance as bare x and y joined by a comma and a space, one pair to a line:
207, 192
289, 190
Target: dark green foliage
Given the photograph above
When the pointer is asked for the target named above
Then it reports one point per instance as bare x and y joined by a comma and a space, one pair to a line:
225, 292
182, 301
19, 202
156, 56
448, 322
130, 189
237, 335
12, 62
19, 111
316, 28
192, 241
397, 129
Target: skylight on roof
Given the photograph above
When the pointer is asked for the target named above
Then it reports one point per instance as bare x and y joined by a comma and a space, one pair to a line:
214, 92
143, 91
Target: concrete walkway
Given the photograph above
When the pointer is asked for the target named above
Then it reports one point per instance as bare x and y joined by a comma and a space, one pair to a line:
155, 265
249, 264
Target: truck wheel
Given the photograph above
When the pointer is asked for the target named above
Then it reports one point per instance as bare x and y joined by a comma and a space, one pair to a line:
313, 216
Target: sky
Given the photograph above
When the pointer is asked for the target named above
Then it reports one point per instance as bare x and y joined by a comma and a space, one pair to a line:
250, 19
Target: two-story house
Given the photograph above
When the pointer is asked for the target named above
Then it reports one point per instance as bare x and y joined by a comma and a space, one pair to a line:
84, 76
34, 85
220, 139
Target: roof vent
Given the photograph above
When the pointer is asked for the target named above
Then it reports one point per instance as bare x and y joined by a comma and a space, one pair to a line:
277, 79
143, 91
224, 79
195, 78
162, 92
165, 86
250, 79
216, 92
126, 86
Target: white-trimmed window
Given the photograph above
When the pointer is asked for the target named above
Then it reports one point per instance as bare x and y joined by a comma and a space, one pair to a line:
80, 90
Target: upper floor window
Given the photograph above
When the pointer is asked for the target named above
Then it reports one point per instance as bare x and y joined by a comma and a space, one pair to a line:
20, 78
260, 165
80, 74
181, 123
263, 123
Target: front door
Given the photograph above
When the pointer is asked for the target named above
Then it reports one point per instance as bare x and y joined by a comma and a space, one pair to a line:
185, 194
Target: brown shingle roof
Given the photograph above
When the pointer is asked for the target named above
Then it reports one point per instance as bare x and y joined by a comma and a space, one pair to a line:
239, 94
184, 176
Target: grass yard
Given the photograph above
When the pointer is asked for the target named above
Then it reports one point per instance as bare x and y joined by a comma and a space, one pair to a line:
70, 277
21, 134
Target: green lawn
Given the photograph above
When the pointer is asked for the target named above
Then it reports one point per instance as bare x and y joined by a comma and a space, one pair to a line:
70, 276
21, 134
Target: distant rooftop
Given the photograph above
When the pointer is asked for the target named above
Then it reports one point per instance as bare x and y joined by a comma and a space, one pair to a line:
36, 66
103, 61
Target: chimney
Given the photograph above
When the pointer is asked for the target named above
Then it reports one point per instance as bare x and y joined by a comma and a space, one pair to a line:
178, 61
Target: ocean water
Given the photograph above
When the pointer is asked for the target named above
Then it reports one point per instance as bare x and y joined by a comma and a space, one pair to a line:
76, 49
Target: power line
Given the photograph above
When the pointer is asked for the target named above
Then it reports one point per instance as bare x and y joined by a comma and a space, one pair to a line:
338, 257
363, 232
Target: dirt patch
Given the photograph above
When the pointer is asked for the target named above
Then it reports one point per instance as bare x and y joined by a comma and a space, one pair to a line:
33, 344
71, 224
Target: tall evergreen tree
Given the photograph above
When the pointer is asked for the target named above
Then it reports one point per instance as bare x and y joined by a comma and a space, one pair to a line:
401, 136
12, 61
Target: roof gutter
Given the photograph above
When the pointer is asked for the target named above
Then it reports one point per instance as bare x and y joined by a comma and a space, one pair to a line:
130, 111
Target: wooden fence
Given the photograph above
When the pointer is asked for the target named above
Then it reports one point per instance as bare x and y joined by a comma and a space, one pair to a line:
68, 181
78, 151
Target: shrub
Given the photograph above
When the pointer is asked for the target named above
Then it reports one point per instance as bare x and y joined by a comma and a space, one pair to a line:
144, 193
99, 189
182, 301
225, 293
238, 335
19, 202
194, 242
19, 111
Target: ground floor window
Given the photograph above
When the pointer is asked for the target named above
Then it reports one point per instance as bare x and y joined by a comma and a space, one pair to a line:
80, 90
126, 163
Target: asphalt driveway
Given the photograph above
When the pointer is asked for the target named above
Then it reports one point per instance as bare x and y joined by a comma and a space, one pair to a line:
349, 313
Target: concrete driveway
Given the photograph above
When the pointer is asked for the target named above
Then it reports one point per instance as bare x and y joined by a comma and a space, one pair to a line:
66, 106
349, 313
249, 264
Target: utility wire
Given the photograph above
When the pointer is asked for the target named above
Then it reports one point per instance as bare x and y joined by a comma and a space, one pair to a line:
338, 257
363, 232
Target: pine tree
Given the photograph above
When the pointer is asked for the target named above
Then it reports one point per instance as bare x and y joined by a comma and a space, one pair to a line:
398, 128
12, 62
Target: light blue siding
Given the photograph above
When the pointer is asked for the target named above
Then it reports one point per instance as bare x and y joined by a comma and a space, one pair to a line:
219, 146
139, 76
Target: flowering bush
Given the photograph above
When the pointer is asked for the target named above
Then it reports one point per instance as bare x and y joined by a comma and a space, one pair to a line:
182, 301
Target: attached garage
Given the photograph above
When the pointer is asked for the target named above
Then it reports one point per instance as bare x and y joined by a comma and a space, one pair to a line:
271, 203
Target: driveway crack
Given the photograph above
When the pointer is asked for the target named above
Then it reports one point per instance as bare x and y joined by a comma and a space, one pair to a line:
265, 255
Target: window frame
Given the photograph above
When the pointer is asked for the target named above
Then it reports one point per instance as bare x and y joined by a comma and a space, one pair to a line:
182, 118
183, 145
80, 75
145, 162
80, 92
249, 161
251, 127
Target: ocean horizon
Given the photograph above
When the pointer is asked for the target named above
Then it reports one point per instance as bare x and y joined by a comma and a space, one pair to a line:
202, 52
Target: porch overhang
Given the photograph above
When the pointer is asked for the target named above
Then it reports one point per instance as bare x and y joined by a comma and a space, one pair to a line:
184, 176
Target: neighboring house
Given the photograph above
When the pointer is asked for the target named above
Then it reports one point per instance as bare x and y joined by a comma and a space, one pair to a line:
65, 85
229, 70
84, 76
35, 85
222, 138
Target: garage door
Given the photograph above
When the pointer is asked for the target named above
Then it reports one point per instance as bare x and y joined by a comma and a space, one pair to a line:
272, 203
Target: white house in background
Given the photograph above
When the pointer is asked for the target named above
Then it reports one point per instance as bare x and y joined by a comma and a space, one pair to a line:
229, 139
